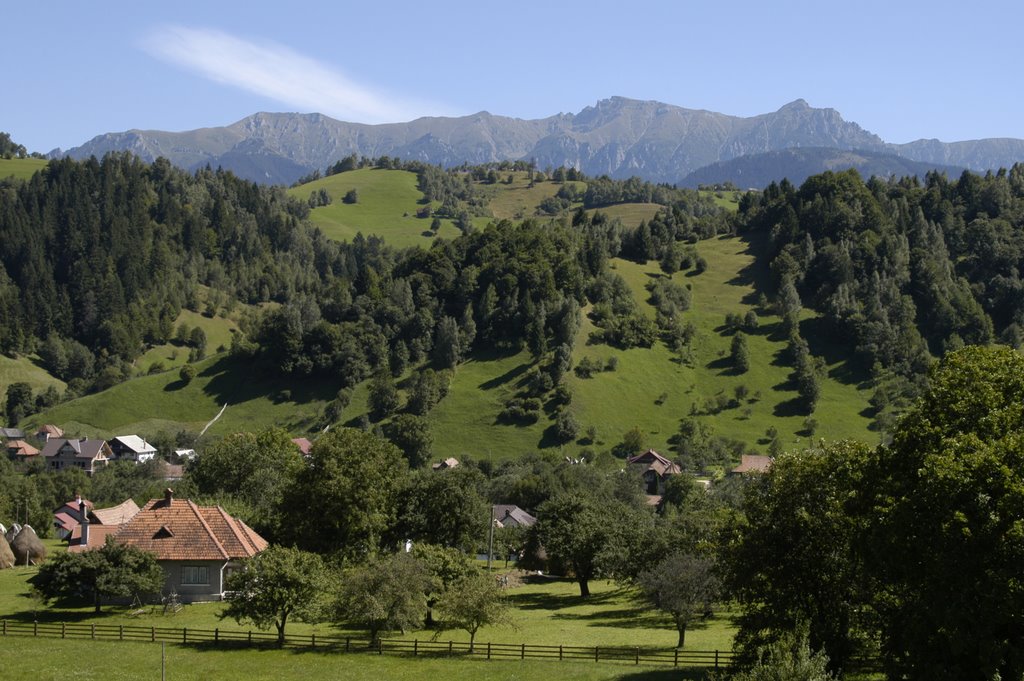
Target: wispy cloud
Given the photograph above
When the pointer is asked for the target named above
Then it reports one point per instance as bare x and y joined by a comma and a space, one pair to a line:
277, 72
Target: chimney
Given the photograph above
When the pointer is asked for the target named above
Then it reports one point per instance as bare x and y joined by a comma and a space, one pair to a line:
168, 496
84, 523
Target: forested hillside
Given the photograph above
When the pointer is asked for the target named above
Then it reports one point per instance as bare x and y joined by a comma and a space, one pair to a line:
843, 287
903, 270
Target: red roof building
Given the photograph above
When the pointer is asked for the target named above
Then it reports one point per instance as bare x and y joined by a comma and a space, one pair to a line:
197, 546
655, 470
752, 463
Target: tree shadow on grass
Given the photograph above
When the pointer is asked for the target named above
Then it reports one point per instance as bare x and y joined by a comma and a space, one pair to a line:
793, 407
506, 377
234, 380
668, 675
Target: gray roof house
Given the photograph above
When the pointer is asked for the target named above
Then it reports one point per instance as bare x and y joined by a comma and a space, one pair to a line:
132, 448
74, 453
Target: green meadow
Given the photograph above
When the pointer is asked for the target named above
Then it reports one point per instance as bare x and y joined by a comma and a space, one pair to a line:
25, 369
547, 611
386, 206
21, 168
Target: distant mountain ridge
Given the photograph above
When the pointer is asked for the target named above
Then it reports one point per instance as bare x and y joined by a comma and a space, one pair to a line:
756, 171
618, 137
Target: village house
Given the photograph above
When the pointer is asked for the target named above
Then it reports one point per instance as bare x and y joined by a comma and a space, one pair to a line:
68, 519
20, 450
88, 455
510, 515
69, 515
132, 448
198, 547
654, 469
47, 431
752, 463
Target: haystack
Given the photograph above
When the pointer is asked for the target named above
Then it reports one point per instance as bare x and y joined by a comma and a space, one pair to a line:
6, 555
27, 547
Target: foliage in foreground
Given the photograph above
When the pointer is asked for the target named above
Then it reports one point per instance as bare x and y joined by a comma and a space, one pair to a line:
277, 584
113, 571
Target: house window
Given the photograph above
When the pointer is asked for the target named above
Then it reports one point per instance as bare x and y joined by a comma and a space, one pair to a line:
194, 574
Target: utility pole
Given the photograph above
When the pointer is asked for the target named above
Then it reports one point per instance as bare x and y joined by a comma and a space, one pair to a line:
490, 539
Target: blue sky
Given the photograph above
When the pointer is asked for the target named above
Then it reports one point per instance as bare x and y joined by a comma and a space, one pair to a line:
903, 70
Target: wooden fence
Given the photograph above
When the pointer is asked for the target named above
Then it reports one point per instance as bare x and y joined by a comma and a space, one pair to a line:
229, 638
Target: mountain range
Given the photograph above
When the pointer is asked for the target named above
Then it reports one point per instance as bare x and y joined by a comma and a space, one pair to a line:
618, 137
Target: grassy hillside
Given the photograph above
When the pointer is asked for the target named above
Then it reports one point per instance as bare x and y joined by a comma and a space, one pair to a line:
651, 389
386, 206
25, 370
148, 404
21, 168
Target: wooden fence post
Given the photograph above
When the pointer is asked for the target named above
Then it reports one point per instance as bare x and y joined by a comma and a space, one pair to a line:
216, 635
675, 660
522, 652
596, 654
415, 647
559, 652
250, 637
312, 640
488, 650
35, 627
62, 628
152, 633
347, 641
449, 648
120, 632
184, 634
380, 646
5, 627
93, 632
638, 654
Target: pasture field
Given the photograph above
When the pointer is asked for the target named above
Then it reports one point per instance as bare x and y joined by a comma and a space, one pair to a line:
21, 168
547, 611
386, 206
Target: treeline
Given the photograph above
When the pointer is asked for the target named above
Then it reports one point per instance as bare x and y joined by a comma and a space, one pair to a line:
97, 258
902, 270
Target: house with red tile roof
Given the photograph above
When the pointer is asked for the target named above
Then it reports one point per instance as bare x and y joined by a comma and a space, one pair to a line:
21, 450
69, 515
197, 546
752, 463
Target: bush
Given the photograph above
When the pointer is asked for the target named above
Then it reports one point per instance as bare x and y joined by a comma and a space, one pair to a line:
351, 196
187, 373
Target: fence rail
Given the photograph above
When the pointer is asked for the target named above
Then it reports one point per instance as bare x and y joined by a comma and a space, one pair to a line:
234, 638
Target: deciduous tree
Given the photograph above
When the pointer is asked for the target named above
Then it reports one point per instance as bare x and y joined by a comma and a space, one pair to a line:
114, 570
278, 584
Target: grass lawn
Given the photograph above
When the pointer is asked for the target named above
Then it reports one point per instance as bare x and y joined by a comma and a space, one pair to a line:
548, 611
30, 659
465, 422
21, 168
